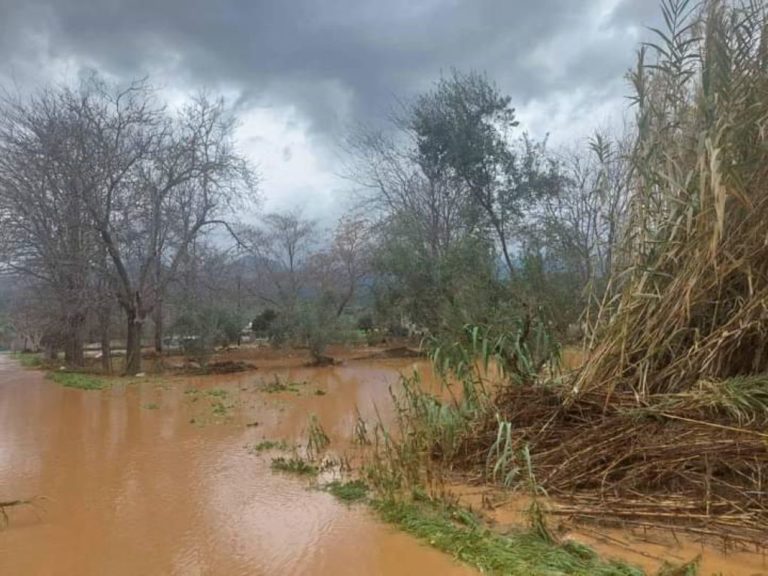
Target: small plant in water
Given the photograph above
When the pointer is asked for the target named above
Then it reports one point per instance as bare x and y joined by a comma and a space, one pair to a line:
536, 512
293, 465
360, 431
265, 445
318, 439
279, 385
501, 461
219, 408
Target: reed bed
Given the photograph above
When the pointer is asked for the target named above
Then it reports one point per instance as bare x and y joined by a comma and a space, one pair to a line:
690, 298
666, 422
671, 465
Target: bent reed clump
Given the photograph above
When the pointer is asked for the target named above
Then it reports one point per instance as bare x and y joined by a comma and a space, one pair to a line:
665, 423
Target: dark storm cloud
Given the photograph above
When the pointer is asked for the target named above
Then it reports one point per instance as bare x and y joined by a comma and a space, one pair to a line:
337, 61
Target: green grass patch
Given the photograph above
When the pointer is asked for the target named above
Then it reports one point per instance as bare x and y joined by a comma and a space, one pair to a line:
152, 406
28, 359
460, 534
265, 445
217, 393
352, 491
319, 392
293, 465
278, 385
78, 380
219, 408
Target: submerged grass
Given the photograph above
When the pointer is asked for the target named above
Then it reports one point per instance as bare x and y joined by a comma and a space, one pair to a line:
351, 491
78, 380
218, 408
266, 445
318, 440
293, 465
279, 385
461, 535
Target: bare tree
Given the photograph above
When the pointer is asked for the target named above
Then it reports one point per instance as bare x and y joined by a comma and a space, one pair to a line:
161, 182
283, 245
102, 181
394, 185
343, 265
45, 230
582, 222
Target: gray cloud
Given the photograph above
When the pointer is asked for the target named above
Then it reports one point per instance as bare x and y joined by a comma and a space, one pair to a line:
335, 63
336, 59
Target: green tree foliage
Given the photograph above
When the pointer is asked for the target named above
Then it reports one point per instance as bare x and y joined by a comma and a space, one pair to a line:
471, 215
463, 129
202, 330
262, 324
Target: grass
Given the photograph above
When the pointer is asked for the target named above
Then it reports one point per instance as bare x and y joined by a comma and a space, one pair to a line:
458, 533
688, 569
219, 408
218, 400
78, 380
318, 440
352, 491
407, 462
28, 359
266, 445
278, 385
293, 465
152, 406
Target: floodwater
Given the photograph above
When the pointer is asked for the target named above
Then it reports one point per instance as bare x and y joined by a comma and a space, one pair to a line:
155, 478
647, 549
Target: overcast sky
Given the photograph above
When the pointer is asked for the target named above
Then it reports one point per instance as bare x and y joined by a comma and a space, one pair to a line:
302, 72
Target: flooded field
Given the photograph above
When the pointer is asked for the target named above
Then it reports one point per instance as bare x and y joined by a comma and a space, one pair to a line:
158, 479
161, 476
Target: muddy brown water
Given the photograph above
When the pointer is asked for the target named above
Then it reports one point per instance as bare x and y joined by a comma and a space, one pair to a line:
155, 478
147, 479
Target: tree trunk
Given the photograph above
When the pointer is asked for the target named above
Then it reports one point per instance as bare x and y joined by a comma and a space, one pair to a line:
106, 347
49, 352
133, 343
159, 327
74, 354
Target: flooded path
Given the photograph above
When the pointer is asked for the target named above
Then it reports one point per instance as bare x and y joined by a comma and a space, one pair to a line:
156, 478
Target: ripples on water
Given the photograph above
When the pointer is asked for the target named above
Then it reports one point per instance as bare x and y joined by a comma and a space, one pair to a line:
133, 490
